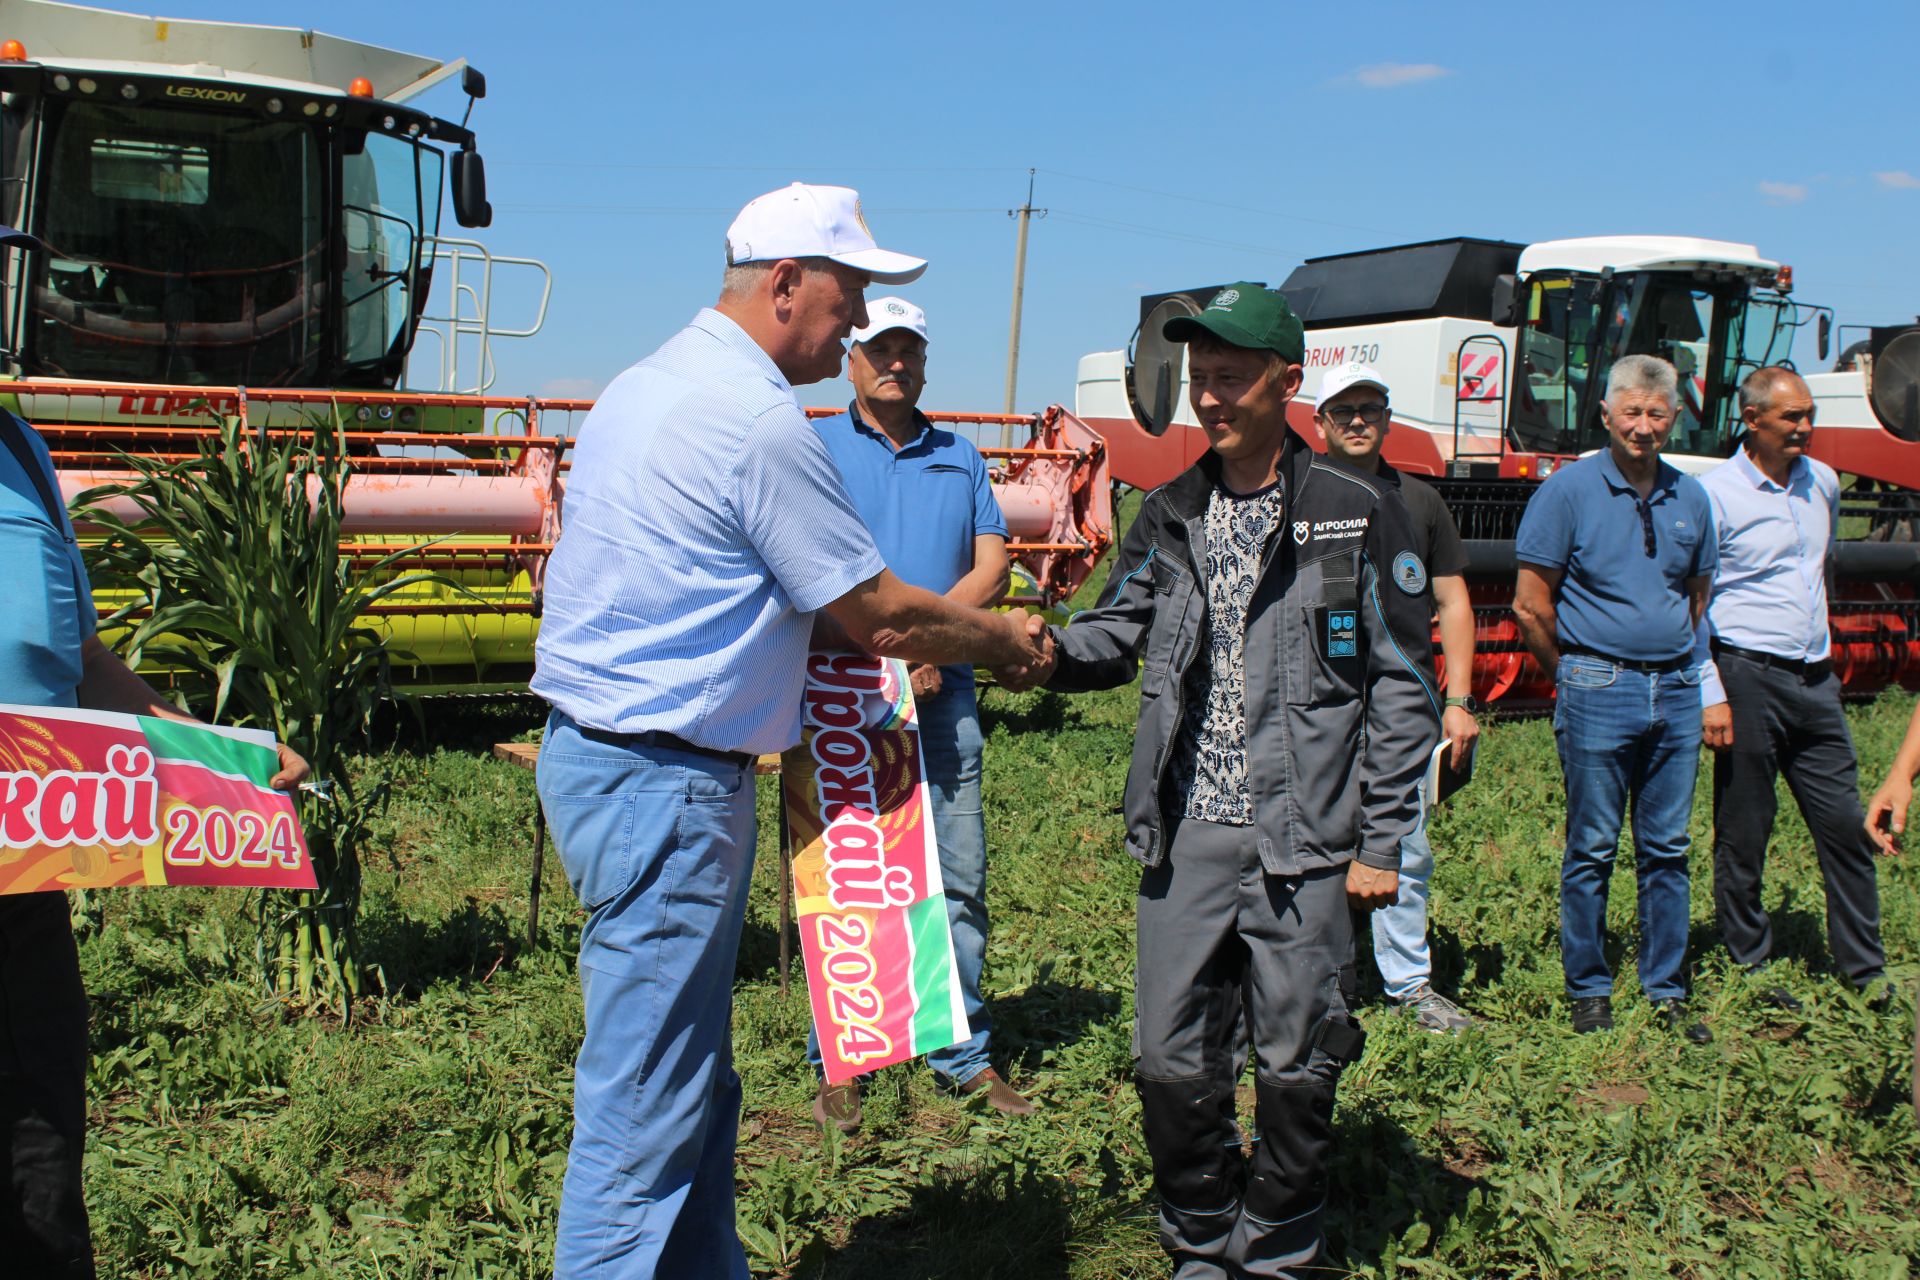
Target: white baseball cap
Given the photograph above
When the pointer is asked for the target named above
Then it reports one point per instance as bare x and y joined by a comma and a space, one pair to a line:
891, 313
1347, 377
803, 221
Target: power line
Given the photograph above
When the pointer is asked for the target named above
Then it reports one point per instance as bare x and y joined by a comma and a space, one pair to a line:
1217, 204
1165, 233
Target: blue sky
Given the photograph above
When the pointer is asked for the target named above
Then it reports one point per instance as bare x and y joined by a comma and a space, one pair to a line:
1177, 145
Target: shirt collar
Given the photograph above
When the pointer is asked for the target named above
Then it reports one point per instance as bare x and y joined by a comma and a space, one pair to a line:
1761, 480
1665, 475
922, 425
722, 327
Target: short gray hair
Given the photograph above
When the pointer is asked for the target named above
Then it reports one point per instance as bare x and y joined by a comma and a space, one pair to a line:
742, 278
1644, 373
1758, 388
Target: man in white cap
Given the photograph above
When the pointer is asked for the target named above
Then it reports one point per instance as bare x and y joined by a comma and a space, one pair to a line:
705, 525
924, 494
1352, 418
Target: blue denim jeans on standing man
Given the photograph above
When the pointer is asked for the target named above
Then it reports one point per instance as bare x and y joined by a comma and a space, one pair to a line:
1400, 949
950, 739
658, 846
1626, 736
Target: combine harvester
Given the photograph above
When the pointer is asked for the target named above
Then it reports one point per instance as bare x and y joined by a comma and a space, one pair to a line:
245, 221
1498, 354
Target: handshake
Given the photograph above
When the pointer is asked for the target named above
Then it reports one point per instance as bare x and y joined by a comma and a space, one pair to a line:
1029, 658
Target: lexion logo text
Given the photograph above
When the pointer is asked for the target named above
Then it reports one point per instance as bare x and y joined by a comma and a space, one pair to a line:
201, 94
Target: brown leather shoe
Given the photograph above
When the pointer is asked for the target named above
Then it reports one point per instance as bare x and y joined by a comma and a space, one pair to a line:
838, 1105
1000, 1095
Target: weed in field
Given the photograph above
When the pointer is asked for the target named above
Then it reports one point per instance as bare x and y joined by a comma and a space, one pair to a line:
428, 1139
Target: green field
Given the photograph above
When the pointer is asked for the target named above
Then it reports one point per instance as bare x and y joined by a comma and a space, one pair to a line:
231, 1139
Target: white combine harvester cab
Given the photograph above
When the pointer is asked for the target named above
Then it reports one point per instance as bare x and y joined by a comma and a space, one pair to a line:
227, 204
1498, 351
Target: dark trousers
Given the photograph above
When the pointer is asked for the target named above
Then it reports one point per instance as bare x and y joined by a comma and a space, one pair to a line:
43, 1077
1220, 940
1783, 723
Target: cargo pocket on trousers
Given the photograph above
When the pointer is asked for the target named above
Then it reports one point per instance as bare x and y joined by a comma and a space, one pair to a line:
594, 835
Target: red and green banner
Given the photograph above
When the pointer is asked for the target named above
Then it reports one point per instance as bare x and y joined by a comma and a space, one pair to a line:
866, 871
95, 800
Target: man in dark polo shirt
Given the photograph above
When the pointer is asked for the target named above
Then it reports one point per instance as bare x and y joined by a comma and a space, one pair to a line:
1616, 557
1352, 418
924, 494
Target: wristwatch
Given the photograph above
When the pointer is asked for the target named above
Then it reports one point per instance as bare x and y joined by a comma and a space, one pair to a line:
1471, 703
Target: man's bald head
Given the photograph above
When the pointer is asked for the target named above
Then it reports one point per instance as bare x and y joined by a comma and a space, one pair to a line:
1759, 389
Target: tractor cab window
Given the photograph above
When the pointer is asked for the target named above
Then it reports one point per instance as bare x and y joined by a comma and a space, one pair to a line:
391, 190
1556, 359
185, 245
1577, 326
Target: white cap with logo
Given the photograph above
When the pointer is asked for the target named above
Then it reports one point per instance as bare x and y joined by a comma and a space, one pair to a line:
804, 221
891, 313
1347, 377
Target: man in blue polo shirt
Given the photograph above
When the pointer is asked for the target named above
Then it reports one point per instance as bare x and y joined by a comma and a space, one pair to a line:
924, 494
50, 657
1616, 556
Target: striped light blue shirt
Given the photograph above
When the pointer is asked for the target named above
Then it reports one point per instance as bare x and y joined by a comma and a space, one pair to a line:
704, 523
1770, 594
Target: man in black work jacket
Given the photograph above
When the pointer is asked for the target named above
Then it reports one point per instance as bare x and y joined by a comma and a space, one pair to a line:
1286, 715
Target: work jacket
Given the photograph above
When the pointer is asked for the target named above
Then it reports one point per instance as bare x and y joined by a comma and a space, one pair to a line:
1341, 712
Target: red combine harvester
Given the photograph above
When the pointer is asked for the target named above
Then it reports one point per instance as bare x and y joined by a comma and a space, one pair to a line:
243, 222
1498, 354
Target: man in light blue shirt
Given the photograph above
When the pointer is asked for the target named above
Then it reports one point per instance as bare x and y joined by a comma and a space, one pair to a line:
705, 525
924, 494
1772, 701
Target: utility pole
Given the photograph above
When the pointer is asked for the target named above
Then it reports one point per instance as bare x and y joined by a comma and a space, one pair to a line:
1025, 213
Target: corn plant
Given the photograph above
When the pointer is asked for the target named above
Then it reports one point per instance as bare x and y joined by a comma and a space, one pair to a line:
234, 584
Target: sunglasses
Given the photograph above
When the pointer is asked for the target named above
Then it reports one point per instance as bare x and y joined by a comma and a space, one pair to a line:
1646, 525
1372, 414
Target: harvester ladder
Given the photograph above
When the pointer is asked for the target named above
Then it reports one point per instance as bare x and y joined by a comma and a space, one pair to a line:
1481, 371
470, 313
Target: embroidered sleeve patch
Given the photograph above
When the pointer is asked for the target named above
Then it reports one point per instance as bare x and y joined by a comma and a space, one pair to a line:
1409, 574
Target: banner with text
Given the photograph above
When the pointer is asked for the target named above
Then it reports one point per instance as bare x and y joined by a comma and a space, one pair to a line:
95, 800
866, 871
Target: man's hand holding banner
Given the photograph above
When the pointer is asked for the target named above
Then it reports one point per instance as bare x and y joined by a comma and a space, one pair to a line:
95, 800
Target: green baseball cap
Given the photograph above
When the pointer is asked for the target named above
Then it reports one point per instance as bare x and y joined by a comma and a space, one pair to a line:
1245, 315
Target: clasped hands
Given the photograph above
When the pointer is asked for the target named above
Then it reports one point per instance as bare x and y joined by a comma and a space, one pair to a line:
1033, 656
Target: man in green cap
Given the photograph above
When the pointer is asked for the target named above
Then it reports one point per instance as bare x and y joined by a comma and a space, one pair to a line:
1278, 607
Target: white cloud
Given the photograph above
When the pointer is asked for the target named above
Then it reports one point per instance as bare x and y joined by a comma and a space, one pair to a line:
1784, 192
1898, 179
1393, 75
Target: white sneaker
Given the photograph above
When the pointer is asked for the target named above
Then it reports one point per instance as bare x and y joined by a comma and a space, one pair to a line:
1434, 1012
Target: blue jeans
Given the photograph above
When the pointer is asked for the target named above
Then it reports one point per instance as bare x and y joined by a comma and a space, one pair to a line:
950, 740
1400, 931
1626, 735
658, 846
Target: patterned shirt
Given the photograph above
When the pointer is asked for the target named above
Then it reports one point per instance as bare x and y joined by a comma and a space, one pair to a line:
1210, 762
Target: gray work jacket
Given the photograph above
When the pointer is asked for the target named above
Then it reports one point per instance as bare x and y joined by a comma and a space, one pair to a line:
1342, 714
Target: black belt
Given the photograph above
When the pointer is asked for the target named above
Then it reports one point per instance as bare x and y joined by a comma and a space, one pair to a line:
1805, 670
1661, 667
670, 741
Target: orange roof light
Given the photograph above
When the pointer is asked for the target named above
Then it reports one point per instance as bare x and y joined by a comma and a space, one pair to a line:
1784, 280
12, 51
360, 88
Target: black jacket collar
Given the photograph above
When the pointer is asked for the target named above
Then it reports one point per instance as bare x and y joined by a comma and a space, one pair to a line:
1188, 492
